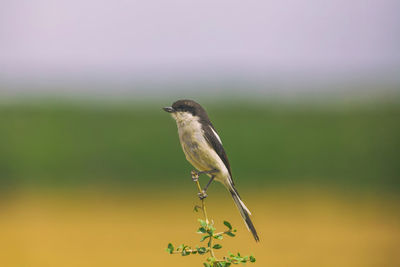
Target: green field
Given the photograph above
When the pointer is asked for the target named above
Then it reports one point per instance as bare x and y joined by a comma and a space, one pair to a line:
131, 145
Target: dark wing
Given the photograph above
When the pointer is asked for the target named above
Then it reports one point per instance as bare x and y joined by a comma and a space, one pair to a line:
213, 139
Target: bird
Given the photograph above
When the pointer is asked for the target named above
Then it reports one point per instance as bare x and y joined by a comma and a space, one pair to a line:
203, 149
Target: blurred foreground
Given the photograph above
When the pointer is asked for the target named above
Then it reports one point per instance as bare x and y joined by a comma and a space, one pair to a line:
297, 228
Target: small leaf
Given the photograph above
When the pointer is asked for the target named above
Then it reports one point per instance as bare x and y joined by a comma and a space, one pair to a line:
227, 224
252, 259
202, 230
202, 223
202, 250
211, 259
206, 264
185, 252
238, 259
170, 248
204, 237
217, 246
230, 234
219, 237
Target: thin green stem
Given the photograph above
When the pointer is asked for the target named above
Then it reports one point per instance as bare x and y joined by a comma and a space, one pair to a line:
203, 207
208, 229
220, 233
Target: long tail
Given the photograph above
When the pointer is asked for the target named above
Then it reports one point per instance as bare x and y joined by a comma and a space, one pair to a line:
244, 211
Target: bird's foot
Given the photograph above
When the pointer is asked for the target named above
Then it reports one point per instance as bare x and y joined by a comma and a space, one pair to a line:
202, 195
195, 175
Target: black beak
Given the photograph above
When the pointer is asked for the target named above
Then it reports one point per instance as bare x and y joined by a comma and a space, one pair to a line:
169, 109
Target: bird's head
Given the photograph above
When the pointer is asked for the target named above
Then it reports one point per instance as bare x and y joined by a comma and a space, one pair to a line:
186, 110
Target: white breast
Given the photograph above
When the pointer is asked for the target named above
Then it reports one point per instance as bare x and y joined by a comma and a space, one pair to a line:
196, 148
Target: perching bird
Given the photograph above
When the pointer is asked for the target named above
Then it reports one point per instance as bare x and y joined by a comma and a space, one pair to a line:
203, 149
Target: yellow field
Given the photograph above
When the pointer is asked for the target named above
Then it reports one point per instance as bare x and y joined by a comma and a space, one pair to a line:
310, 228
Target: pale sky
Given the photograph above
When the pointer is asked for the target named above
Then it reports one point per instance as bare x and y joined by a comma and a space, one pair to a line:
49, 41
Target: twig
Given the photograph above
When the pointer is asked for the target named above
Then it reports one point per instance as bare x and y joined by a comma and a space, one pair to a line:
203, 204
203, 208
207, 229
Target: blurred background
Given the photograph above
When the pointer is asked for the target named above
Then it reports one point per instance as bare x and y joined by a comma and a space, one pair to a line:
304, 94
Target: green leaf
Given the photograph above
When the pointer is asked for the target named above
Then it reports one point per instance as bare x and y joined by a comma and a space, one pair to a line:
170, 248
202, 230
185, 252
237, 259
204, 237
202, 223
252, 259
211, 259
206, 264
217, 246
227, 224
202, 250
230, 234
219, 237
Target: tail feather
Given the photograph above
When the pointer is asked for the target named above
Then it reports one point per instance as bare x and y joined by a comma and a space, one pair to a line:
244, 212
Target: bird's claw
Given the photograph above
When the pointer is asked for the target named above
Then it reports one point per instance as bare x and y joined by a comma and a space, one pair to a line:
202, 195
195, 176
